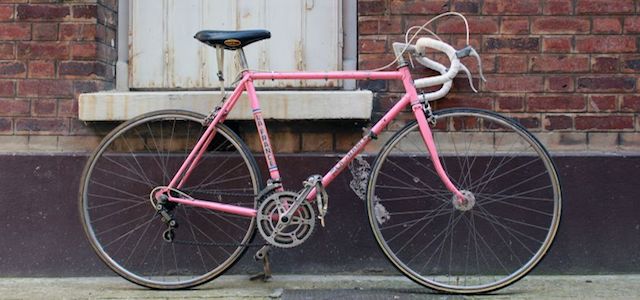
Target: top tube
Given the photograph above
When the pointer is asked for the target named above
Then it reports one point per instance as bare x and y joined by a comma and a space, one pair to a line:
358, 75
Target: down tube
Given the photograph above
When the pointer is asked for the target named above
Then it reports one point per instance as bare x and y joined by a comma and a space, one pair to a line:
375, 130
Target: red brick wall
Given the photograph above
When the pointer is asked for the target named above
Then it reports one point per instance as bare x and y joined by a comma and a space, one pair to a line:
51, 51
568, 69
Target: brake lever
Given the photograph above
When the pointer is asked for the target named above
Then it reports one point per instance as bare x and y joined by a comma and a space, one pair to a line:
475, 54
469, 51
466, 70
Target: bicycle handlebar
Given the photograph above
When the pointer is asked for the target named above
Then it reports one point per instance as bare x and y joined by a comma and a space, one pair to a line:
445, 77
451, 73
446, 86
446, 74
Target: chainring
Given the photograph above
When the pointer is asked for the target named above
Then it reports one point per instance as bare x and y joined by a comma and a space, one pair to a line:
296, 232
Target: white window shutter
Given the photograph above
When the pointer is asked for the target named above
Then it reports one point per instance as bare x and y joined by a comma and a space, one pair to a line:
305, 35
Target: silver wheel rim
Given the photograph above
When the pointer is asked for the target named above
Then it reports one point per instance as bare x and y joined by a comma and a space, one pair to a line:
168, 281
435, 283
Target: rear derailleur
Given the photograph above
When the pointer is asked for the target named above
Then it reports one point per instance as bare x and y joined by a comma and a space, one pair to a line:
164, 207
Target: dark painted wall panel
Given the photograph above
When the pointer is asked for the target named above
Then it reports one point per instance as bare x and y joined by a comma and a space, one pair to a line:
599, 233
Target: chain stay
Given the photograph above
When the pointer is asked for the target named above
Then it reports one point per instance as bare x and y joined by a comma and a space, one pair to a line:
312, 182
219, 193
271, 186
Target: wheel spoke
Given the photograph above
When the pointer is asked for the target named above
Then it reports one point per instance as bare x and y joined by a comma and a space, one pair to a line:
130, 237
477, 246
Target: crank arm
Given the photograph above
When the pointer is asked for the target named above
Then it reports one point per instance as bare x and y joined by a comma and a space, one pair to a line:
310, 184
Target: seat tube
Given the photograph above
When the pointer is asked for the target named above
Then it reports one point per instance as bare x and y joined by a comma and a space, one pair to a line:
262, 132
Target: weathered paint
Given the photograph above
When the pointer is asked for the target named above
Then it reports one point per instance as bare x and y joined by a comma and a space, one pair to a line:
288, 105
163, 53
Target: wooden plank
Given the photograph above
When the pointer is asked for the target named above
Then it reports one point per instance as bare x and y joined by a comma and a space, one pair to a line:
183, 51
146, 56
305, 36
322, 35
217, 15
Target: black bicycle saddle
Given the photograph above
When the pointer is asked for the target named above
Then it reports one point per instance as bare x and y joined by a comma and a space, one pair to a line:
231, 40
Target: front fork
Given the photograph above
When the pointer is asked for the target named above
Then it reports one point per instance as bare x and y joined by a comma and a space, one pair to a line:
420, 111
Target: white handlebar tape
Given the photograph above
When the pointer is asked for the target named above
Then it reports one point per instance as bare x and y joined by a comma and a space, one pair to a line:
423, 43
426, 42
431, 96
431, 64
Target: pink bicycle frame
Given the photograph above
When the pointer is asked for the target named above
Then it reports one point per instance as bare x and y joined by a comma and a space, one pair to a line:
246, 84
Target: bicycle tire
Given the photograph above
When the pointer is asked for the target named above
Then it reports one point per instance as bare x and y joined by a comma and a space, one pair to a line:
509, 228
121, 223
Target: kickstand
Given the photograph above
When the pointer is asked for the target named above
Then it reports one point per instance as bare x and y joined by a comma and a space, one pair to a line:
263, 254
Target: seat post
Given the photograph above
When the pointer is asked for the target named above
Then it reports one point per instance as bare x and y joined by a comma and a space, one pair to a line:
220, 57
243, 60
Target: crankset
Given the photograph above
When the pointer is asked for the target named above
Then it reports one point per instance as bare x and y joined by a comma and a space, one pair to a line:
280, 230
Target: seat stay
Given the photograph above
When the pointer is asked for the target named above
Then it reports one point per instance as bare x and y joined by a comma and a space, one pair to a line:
190, 163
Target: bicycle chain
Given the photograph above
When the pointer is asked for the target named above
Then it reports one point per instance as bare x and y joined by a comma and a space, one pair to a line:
217, 244
220, 193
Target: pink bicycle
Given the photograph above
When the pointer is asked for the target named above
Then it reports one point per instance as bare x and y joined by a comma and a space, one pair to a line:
460, 200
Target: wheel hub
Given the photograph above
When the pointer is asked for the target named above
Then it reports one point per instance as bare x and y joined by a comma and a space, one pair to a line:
466, 203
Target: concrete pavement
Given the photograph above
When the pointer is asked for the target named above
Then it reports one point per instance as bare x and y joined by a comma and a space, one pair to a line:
318, 287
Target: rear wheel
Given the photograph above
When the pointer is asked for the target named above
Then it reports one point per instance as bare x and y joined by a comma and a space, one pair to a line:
122, 223
490, 241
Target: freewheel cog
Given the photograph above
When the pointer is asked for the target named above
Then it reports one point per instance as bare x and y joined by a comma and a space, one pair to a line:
299, 228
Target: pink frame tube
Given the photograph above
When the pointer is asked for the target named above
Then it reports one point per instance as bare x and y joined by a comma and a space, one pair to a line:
262, 131
358, 75
427, 137
246, 84
232, 209
194, 157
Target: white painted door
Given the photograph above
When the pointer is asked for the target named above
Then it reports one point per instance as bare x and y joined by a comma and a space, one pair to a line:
305, 35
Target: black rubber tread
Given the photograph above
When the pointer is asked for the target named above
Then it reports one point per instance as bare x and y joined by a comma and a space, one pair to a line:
378, 161
243, 147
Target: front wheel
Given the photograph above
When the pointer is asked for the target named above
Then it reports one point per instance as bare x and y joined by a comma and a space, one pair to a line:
120, 213
486, 243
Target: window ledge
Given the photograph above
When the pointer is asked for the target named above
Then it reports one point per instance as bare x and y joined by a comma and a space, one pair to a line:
280, 105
